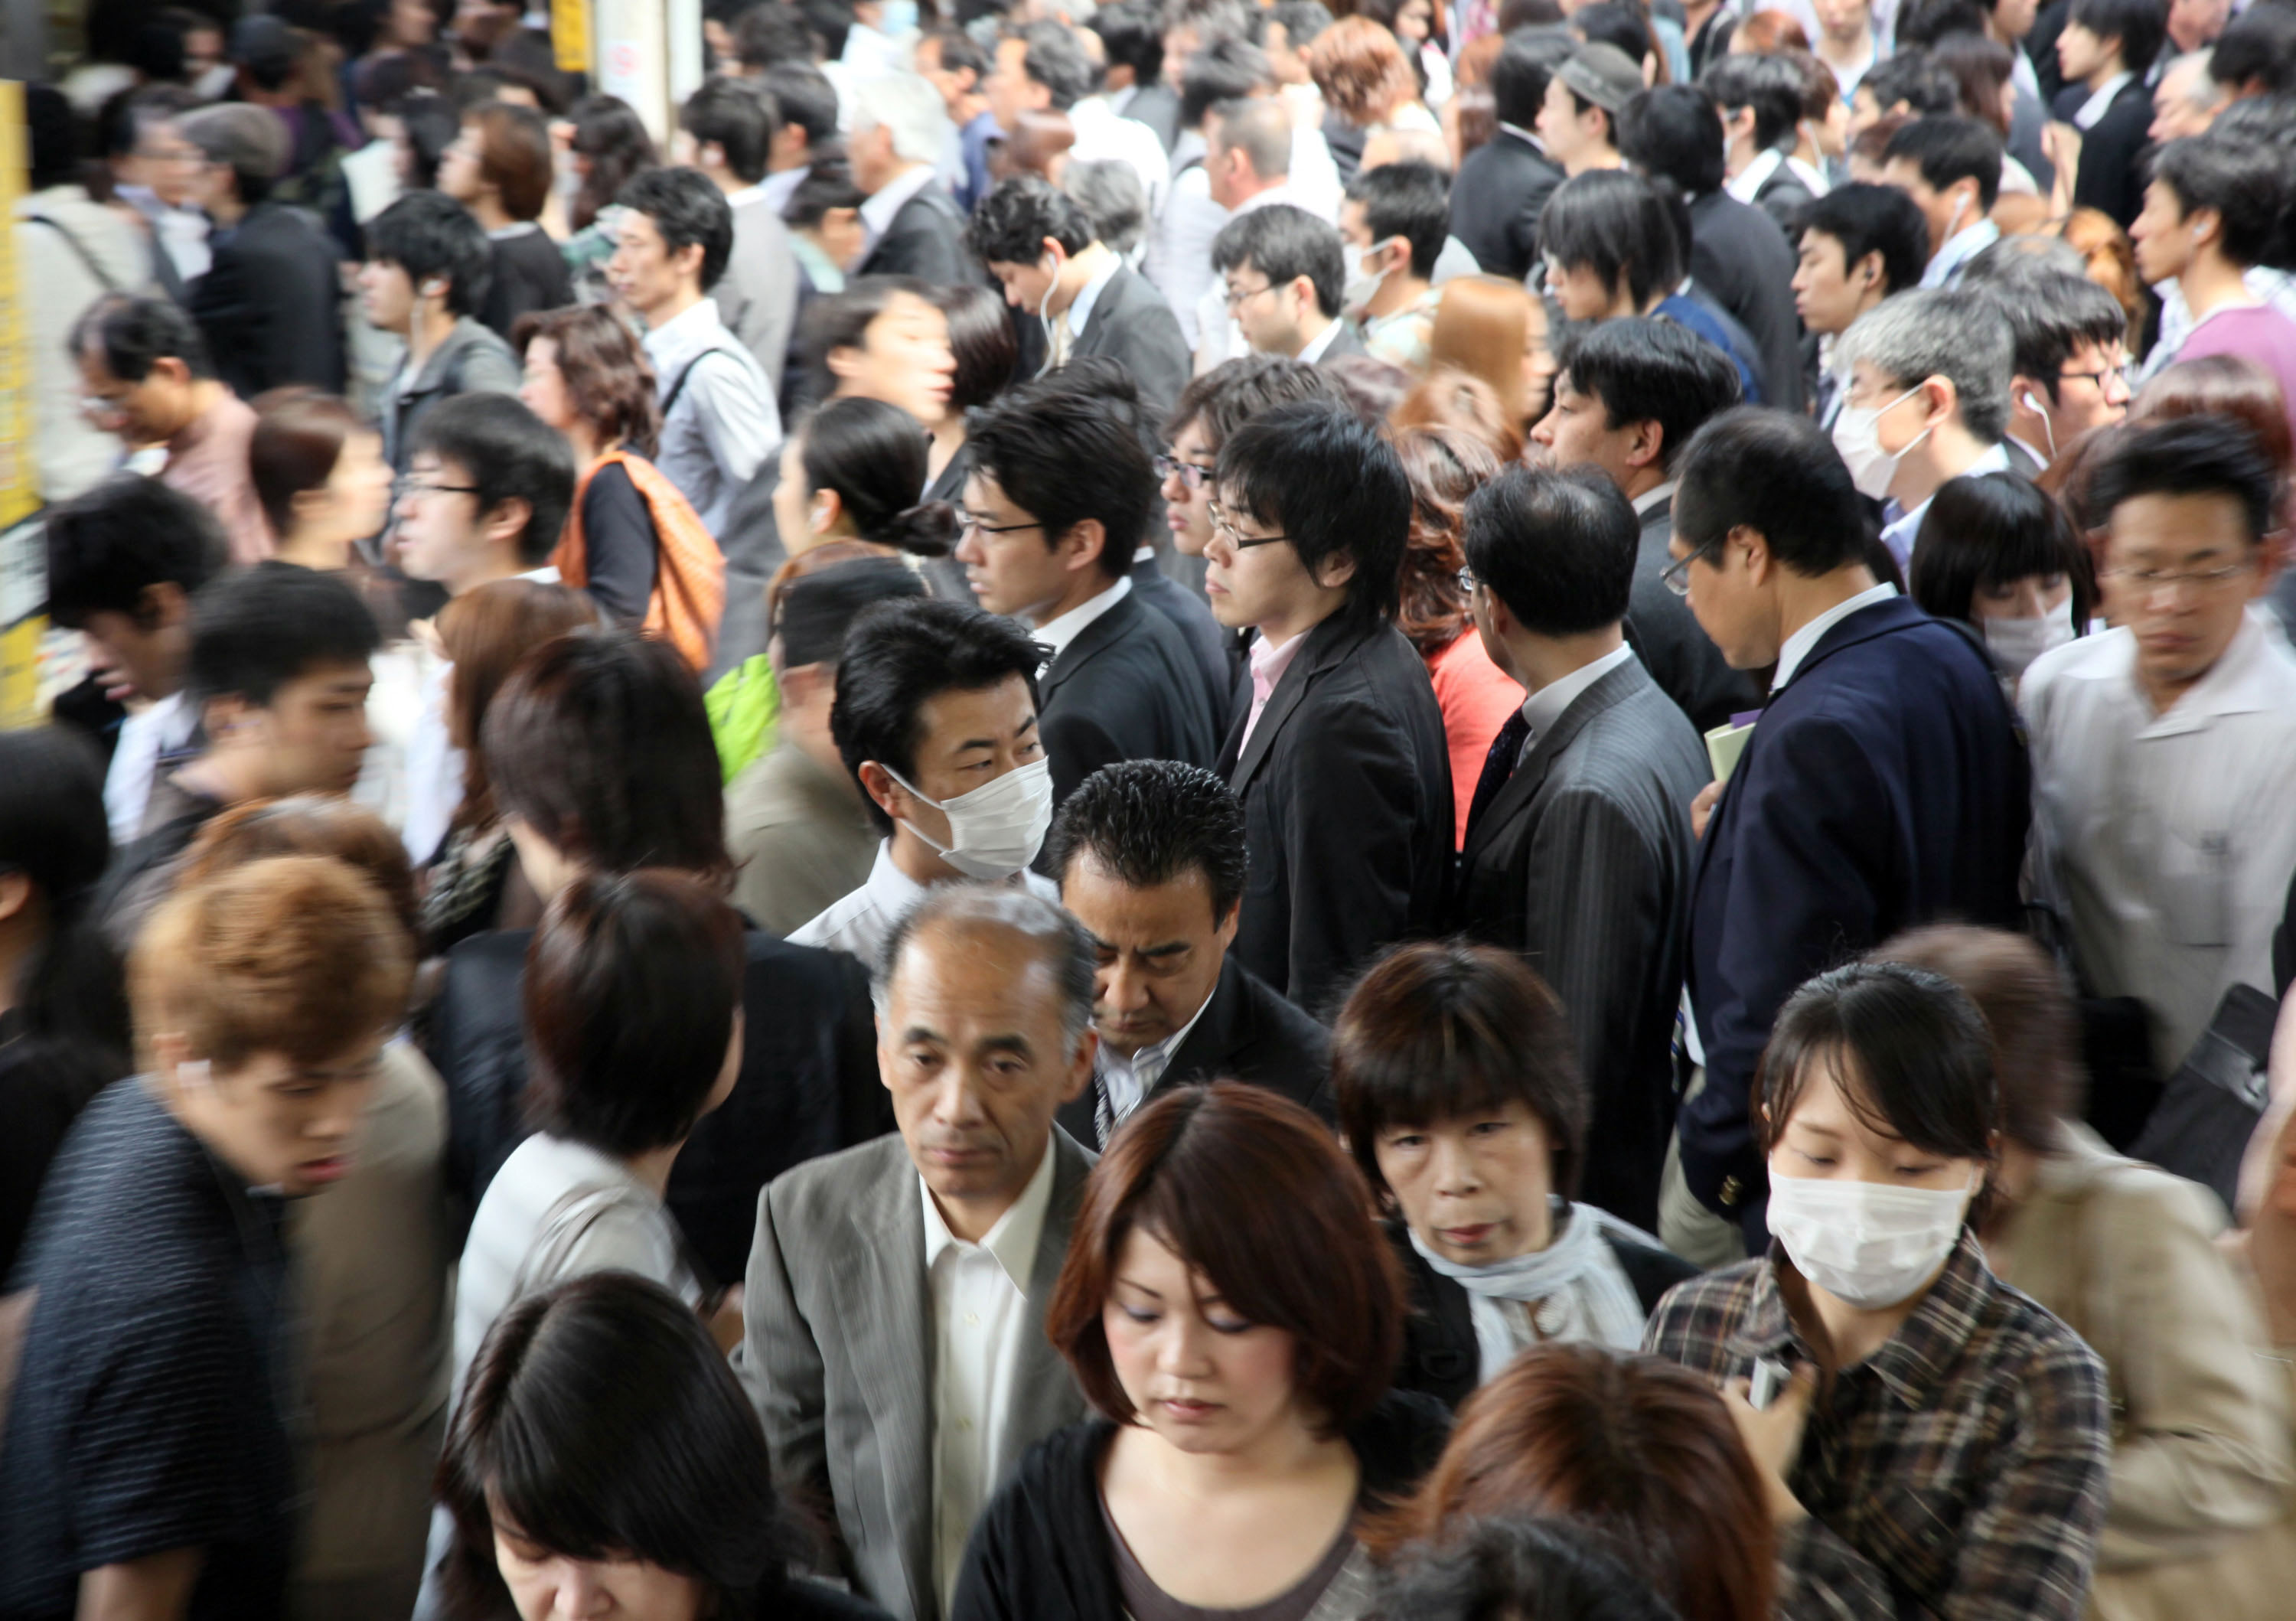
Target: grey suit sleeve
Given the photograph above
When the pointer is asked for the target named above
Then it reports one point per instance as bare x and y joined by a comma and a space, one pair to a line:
1596, 903
780, 1364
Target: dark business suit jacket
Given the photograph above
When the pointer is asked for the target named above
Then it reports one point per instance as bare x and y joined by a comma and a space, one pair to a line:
1245, 1033
1158, 106
1208, 646
1738, 253
1126, 688
1495, 202
1673, 645
1346, 786
1886, 786
926, 240
1131, 324
1582, 864
808, 1083
1344, 343
1782, 197
2108, 179
270, 305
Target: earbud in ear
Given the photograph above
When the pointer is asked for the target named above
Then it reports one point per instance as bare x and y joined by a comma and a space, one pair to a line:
195, 1075
2032, 403
434, 289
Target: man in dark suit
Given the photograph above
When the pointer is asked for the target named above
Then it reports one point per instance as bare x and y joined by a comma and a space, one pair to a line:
1338, 749
915, 229
1578, 844
1737, 253
1504, 183
2105, 51
1132, 40
271, 302
1055, 503
1884, 785
1286, 274
1150, 858
1629, 395
1039, 245
1760, 98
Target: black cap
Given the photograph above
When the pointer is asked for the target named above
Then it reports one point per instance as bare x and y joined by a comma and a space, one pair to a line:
814, 610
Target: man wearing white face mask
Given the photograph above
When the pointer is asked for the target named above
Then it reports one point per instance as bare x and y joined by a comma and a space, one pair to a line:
1927, 401
935, 717
1393, 229
1873, 1363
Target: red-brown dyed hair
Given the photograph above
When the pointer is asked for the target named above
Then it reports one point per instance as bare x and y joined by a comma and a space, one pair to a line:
1638, 1450
514, 156
1767, 32
1249, 1190
2231, 386
2104, 247
608, 376
299, 436
1481, 325
308, 824
1462, 402
1445, 466
1361, 70
485, 632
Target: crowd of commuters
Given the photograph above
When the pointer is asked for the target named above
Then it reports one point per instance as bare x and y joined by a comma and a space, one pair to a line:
1301, 811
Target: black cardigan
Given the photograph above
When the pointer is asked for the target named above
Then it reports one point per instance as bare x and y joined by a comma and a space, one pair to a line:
1040, 1551
1440, 1356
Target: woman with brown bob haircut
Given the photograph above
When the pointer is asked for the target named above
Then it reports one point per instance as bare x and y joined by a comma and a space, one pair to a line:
1228, 1308
319, 473
500, 169
632, 540
1640, 1453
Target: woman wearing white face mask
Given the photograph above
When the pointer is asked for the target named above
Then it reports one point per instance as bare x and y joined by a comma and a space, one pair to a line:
1933, 1442
2003, 558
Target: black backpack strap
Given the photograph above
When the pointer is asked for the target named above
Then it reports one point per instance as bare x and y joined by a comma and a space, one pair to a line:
677, 388
79, 251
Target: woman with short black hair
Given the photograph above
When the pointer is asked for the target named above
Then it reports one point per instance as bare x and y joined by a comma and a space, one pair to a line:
2004, 561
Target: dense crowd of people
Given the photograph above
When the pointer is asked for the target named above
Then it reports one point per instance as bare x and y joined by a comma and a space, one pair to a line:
1307, 812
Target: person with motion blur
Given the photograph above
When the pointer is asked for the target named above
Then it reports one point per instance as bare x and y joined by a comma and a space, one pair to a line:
719, 421
2072, 372
499, 169
1860, 244
1879, 1115
2004, 560
796, 824
1639, 1454
602, 1461
1308, 535
1057, 500
1802, 856
1927, 399
429, 269
146, 376
1516, 1565
730, 124
2180, 720
632, 539
63, 1010
124, 561
2125, 1255
1579, 848
985, 353
1950, 168
1242, 1418
278, 672
157, 1347
936, 719
1150, 858
898, 1292
1628, 399
320, 474
1460, 1098
884, 337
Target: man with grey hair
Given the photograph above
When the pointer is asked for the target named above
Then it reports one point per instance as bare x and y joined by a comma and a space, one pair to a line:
894, 1339
1108, 192
270, 305
900, 127
2185, 100
1927, 401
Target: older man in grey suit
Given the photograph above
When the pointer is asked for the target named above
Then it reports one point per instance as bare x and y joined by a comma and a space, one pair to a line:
895, 1308
1578, 846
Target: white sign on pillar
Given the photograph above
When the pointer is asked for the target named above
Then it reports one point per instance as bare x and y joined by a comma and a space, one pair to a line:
650, 55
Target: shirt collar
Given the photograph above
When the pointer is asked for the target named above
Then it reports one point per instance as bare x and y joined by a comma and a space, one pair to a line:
1105, 262
778, 188
2033, 451
692, 329
1652, 496
2252, 675
1312, 350
1749, 180
1271, 661
1907, 525
891, 891
516, 228
1527, 137
1150, 1062
1798, 645
2094, 109
1544, 707
546, 574
1058, 633
747, 195
1960, 248
1013, 1239
877, 212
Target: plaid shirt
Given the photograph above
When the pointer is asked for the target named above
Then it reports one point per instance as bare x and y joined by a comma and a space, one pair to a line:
1960, 1472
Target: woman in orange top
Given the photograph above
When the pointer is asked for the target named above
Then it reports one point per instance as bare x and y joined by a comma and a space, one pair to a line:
632, 541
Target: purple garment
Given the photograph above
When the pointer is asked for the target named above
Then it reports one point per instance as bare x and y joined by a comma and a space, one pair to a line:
2260, 334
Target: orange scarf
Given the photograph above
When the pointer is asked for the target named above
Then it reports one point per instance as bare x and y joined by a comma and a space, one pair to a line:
689, 573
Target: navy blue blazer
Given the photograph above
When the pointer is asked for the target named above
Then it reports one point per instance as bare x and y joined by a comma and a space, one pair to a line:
1886, 785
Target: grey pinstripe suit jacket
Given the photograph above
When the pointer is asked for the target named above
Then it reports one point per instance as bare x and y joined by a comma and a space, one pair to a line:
837, 1354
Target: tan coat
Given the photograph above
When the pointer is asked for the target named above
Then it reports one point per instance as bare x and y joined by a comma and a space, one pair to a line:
2198, 1527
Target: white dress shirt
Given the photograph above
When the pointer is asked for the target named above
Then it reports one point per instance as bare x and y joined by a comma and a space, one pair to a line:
1057, 633
1798, 645
1751, 179
863, 921
1902, 532
980, 1319
162, 728
1126, 1082
725, 423
1104, 136
1945, 266
2092, 109
1219, 338
2168, 836
1544, 708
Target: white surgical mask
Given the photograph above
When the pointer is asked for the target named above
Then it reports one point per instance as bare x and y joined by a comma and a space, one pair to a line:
900, 17
1363, 285
1857, 436
1867, 1244
2016, 643
998, 827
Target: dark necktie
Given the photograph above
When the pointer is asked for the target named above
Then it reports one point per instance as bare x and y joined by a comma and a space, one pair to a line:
1498, 766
